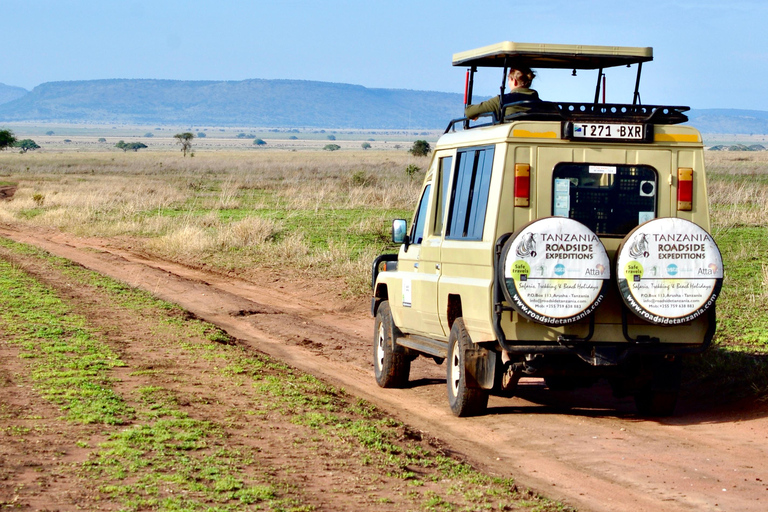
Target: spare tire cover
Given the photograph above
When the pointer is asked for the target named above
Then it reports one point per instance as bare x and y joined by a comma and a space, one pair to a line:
669, 271
553, 271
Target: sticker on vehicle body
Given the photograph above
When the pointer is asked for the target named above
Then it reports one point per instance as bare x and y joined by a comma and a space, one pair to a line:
406, 293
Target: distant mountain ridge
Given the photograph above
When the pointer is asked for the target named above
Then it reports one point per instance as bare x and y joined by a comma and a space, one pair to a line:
272, 104
265, 103
10, 93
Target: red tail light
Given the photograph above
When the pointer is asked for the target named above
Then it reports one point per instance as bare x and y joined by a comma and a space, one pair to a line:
684, 189
522, 185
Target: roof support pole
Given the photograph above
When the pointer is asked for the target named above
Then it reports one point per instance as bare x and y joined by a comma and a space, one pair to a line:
501, 90
468, 86
597, 87
636, 97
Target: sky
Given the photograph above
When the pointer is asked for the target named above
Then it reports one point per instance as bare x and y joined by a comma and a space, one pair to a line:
707, 53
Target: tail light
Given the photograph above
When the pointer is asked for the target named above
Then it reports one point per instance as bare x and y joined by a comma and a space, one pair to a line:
522, 185
684, 189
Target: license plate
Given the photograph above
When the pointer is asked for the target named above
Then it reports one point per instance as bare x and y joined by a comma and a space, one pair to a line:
608, 131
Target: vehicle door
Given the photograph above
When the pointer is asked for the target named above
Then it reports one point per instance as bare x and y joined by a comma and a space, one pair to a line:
410, 267
427, 276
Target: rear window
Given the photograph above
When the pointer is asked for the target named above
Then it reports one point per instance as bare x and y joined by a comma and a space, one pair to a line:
611, 200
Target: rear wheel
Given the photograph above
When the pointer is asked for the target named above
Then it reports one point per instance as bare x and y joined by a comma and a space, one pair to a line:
390, 363
463, 399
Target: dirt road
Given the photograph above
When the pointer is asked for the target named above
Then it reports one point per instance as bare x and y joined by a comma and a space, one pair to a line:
585, 447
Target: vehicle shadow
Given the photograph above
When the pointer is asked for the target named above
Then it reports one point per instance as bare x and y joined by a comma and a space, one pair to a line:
711, 393
695, 406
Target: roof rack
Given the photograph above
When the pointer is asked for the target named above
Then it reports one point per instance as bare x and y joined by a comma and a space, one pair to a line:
509, 54
569, 111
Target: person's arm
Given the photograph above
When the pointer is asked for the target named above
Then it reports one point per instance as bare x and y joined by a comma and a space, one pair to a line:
491, 105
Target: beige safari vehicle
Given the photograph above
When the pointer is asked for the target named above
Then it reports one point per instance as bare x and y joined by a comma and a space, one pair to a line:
567, 241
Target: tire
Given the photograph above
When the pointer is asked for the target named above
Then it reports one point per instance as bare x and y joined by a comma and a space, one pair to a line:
657, 397
463, 400
391, 365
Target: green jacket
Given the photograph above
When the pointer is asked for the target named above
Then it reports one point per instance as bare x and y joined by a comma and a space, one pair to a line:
492, 105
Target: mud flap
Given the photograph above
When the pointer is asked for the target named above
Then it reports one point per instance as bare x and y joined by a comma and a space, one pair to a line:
480, 367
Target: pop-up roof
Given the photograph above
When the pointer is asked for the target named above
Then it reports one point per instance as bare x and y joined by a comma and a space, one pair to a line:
562, 56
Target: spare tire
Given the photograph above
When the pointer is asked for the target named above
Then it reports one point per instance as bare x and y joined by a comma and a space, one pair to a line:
669, 271
553, 271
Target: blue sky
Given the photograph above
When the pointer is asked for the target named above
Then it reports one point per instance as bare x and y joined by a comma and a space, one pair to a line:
707, 53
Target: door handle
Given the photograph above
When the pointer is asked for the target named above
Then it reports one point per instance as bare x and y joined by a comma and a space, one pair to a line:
416, 265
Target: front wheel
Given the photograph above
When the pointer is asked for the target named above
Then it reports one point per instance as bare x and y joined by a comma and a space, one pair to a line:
390, 363
463, 399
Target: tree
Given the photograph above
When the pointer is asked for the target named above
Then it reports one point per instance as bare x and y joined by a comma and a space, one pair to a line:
331, 147
149, 134
331, 137
185, 139
200, 135
25, 145
365, 145
102, 139
420, 148
7, 139
49, 132
135, 146
259, 142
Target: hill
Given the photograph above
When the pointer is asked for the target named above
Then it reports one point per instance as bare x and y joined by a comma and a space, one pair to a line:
266, 103
272, 104
10, 93
717, 120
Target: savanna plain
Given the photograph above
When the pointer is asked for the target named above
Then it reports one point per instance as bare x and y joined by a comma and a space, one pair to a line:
115, 400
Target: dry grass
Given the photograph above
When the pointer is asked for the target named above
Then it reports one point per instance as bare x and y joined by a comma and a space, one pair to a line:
738, 188
229, 209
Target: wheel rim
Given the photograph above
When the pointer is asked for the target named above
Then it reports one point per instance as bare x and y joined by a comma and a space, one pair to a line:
380, 347
455, 369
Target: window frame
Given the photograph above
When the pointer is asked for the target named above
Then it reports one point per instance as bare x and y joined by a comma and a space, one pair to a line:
584, 166
470, 190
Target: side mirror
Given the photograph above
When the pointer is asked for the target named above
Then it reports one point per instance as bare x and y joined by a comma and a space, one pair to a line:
399, 236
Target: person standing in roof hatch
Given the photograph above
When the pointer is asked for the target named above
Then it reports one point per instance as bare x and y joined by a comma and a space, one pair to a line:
519, 83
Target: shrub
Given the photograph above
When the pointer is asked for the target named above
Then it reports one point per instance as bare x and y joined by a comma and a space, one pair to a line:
420, 148
331, 147
365, 145
259, 142
412, 170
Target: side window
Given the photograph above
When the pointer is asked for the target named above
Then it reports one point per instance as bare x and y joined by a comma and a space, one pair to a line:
417, 230
469, 197
611, 200
443, 182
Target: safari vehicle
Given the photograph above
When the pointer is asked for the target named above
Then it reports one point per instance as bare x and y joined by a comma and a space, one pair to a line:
568, 241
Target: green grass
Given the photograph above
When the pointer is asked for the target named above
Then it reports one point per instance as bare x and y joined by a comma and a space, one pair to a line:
70, 364
166, 459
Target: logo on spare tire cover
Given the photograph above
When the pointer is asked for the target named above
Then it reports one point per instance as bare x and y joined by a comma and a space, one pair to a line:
527, 247
639, 248
692, 277
571, 267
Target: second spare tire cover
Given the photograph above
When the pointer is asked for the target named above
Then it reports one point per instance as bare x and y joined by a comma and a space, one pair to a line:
553, 271
669, 271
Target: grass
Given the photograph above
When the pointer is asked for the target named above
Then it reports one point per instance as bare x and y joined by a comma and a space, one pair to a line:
324, 215
164, 453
